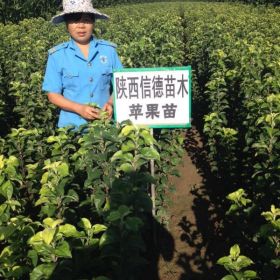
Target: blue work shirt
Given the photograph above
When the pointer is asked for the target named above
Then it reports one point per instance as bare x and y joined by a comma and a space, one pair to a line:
78, 79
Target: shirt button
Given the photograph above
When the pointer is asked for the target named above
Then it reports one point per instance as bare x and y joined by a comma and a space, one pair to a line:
89, 64
91, 79
92, 94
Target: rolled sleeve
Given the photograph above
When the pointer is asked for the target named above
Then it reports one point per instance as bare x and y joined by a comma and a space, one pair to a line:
52, 80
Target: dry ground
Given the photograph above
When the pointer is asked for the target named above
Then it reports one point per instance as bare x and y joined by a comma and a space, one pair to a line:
194, 240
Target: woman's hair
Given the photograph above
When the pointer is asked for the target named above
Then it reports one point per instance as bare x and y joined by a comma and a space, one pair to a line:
75, 17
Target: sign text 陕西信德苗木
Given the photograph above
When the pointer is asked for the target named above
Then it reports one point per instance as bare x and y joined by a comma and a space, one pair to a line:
155, 97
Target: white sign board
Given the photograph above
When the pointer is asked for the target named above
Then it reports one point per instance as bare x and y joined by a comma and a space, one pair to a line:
154, 97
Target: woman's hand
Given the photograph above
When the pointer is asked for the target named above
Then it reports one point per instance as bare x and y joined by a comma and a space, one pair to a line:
108, 107
88, 112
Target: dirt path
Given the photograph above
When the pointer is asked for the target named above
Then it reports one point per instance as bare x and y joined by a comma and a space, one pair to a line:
182, 219
195, 223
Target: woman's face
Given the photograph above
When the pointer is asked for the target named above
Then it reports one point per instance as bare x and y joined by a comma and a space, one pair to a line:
80, 27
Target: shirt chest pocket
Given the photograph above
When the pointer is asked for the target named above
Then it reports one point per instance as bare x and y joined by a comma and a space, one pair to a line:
70, 80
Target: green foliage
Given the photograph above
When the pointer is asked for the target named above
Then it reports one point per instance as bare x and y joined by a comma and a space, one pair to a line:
75, 209
236, 88
267, 145
23, 59
156, 39
253, 2
17, 10
91, 184
238, 201
269, 235
236, 265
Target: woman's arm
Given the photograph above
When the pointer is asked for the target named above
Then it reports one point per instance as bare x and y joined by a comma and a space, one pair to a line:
108, 107
85, 111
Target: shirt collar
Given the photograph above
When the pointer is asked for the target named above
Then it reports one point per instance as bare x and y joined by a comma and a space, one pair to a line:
92, 48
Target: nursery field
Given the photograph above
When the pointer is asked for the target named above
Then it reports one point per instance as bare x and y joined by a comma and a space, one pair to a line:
76, 204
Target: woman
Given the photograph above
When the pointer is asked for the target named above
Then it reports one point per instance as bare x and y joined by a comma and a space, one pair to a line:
79, 72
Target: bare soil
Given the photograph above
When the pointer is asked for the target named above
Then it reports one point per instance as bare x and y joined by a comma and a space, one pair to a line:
189, 248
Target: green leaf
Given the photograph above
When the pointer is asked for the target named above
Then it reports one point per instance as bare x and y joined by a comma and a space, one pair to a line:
69, 231
48, 235
148, 138
32, 254
99, 199
2, 178
42, 200
7, 190
63, 250
43, 249
86, 223
94, 242
107, 204
12, 173
224, 260
2, 162
250, 274
233, 208
127, 130
276, 222
6, 231
150, 153
51, 222
32, 169
114, 216
117, 155
71, 196
228, 277
43, 271
128, 146
12, 161
259, 146
38, 237
243, 261
244, 201
6, 252
52, 139
235, 251
93, 174
63, 170
236, 195
106, 239
120, 155
276, 262
97, 228
3, 207
44, 178
126, 167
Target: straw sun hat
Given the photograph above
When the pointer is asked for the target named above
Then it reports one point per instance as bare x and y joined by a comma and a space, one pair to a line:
77, 6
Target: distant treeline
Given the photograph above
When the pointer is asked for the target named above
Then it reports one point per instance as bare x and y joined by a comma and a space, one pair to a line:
253, 2
17, 10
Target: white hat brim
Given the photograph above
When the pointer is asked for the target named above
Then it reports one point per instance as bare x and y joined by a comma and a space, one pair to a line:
61, 17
